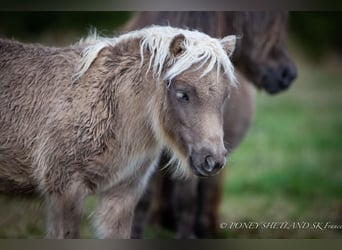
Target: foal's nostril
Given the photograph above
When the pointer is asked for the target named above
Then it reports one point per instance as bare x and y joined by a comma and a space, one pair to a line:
209, 163
219, 166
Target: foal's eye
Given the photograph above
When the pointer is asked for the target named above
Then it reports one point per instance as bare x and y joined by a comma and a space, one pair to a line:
182, 96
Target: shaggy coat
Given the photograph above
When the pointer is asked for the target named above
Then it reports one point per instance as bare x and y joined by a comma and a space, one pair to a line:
94, 118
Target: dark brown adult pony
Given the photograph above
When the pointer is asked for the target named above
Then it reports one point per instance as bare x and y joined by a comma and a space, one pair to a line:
261, 57
261, 54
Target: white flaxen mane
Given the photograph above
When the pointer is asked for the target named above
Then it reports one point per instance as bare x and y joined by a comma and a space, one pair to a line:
199, 48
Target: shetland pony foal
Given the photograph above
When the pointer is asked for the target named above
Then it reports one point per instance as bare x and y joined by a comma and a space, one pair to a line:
94, 118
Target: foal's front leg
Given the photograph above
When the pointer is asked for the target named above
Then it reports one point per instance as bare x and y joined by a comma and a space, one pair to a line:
115, 209
114, 214
65, 213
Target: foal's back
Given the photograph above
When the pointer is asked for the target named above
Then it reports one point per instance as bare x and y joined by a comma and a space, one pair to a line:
30, 79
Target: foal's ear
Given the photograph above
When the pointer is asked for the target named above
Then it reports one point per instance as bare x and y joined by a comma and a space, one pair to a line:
228, 44
176, 45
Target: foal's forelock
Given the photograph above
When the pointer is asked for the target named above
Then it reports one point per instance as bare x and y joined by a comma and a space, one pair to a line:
199, 49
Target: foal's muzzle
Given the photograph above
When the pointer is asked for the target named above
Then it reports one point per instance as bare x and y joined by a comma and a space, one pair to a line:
204, 163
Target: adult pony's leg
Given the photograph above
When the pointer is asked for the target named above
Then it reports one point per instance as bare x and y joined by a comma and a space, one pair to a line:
176, 202
65, 213
185, 205
208, 204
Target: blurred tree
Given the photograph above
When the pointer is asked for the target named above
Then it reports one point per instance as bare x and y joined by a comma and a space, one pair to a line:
318, 33
29, 25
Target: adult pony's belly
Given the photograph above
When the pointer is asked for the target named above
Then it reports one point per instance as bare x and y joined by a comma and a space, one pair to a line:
238, 112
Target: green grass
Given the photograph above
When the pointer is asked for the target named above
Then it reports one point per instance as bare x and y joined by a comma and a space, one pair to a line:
289, 165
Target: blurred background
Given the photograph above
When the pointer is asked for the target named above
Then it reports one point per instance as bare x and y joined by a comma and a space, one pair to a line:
289, 166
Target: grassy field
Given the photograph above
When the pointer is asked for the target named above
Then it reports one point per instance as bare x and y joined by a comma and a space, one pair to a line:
288, 168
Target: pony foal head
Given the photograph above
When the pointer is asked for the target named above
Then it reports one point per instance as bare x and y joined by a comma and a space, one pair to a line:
196, 75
